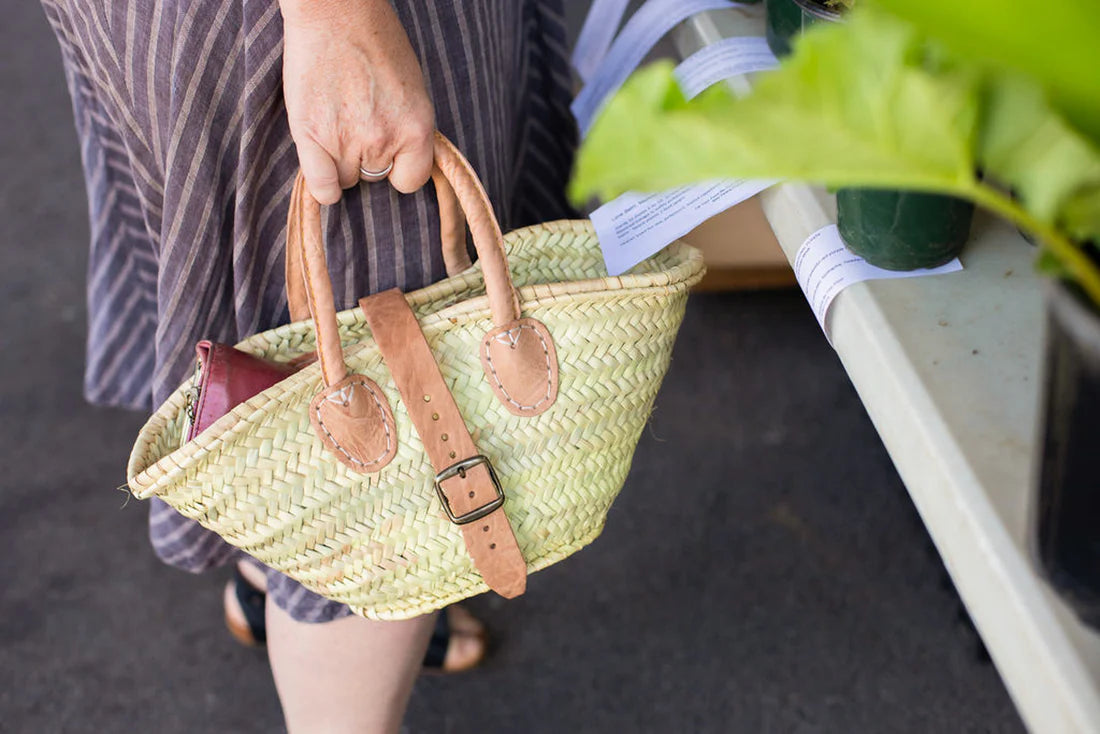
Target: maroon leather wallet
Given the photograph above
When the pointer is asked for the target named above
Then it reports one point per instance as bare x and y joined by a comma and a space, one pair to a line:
225, 378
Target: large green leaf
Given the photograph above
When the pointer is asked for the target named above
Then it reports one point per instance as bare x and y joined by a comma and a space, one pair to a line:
854, 105
1080, 215
1048, 164
1054, 42
873, 102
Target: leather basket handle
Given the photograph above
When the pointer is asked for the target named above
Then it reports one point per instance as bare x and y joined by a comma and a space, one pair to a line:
452, 230
309, 290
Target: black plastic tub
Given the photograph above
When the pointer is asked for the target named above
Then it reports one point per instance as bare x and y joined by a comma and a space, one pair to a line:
785, 19
1066, 516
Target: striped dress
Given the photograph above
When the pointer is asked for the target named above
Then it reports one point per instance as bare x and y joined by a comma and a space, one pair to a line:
189, 163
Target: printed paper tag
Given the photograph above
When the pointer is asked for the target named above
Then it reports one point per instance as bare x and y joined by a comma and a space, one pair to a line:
824, 267
604, 17
636, 226
722, 60
647, 26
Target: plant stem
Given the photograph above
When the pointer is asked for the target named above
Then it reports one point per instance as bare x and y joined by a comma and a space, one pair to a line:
1079, 265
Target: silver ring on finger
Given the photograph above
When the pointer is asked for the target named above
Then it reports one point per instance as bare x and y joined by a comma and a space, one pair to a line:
375, 175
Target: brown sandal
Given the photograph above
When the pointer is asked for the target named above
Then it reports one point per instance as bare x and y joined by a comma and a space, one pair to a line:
252, 630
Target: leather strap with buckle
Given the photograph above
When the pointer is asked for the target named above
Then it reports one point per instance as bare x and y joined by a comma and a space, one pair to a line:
466, 483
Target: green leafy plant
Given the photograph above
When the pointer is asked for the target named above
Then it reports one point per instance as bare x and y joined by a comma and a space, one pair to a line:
907, 95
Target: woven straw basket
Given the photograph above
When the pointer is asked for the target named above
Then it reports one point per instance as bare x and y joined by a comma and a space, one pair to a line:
381, 542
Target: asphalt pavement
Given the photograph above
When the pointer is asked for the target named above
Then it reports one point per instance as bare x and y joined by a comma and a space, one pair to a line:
762, 571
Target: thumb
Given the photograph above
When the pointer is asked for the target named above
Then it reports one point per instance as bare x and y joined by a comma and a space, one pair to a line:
319, 170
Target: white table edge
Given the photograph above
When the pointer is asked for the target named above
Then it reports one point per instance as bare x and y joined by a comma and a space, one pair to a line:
1013, 611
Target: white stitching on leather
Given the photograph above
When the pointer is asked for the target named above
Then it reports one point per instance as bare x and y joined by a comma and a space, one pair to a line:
512, 341
344, 398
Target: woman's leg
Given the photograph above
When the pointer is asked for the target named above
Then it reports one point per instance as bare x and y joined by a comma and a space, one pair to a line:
466, 646
348, 675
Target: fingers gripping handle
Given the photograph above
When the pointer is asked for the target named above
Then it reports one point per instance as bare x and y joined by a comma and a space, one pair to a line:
309, 290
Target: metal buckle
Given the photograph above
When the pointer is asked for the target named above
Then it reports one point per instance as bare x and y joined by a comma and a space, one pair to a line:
460, 469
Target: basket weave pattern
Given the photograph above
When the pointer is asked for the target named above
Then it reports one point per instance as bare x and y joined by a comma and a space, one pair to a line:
381, 543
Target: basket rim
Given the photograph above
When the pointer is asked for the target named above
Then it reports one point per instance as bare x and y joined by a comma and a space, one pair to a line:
144, 479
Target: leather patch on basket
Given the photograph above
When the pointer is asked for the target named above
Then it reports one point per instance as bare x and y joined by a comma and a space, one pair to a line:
354, 421
521, 365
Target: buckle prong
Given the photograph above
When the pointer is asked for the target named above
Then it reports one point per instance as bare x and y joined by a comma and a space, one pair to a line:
459, 469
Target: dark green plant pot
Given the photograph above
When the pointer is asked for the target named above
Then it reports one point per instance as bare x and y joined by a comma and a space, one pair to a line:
785, 19
1065, 523
902, 230
895, 230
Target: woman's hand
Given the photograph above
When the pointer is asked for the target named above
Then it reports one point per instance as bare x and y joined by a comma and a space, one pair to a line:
355, 96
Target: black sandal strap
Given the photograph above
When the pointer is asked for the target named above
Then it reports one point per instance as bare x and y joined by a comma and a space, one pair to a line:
252, 601
438, 644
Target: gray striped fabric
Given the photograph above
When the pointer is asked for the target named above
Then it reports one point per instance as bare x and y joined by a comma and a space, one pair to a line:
189, 162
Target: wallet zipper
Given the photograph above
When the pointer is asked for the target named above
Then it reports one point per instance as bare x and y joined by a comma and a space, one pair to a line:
192, 400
